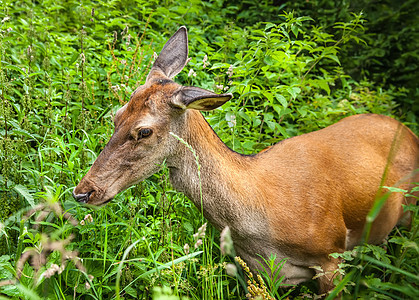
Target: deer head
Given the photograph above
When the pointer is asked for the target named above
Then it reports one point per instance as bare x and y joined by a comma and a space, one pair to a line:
141, 141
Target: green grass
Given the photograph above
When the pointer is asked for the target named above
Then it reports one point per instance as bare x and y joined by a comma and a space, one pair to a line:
63, 74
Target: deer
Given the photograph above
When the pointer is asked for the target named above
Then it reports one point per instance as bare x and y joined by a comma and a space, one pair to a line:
301, 199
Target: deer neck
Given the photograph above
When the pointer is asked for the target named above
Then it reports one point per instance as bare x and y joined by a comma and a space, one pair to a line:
220, 182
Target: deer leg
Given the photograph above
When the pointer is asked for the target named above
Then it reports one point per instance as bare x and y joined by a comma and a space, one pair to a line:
327, 274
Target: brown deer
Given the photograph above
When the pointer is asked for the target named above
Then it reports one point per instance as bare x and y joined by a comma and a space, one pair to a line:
301, 199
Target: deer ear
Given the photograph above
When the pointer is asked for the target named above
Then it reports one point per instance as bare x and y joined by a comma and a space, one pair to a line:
174, 55
200, 99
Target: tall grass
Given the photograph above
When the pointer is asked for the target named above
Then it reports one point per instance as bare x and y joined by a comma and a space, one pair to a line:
66, 67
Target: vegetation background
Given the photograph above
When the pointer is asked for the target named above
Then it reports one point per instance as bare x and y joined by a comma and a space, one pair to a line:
293, 67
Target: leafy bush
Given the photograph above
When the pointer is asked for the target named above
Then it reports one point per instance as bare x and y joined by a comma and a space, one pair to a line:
390, 57
67, 67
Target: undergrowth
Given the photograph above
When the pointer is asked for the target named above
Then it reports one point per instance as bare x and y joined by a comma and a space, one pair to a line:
67, 66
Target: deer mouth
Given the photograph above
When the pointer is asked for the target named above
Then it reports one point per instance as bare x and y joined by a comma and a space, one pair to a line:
82, 198
88, 197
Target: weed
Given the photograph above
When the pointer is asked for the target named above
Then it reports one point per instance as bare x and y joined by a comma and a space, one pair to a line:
64, 71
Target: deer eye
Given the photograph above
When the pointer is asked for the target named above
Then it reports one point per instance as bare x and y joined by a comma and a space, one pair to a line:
144, 132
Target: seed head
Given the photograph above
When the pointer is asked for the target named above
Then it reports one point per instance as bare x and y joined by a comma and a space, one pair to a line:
231, 269
198, 243
125, 31
201, 232
115, 37
226, 243
186, 249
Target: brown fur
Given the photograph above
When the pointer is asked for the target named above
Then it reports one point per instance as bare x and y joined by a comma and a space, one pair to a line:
301, 199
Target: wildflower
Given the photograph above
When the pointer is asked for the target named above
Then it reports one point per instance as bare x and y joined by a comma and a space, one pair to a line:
123, 61
87, 285
226, 243
230, 71
129, 49
226, 88
155, 55
88, 218
198, 243
93, 12
83, 58
232, 121
9, 29
186, 249
205, 61
126, 77
5, 19
115, 88
82, 222
219, 86
128, 40
191, 73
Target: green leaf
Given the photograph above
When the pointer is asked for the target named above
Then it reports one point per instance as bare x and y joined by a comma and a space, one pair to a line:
391, 267
131, 291
243, 115
29, 293
269, 26
334, 57
268, 60
294, 30
24, 192
268, 95
395, 189
271, 125
324, 85
12, 67
294, 91
281, 99
282, 131
73, 58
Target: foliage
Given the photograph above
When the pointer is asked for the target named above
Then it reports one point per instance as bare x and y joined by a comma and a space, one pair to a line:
390, 56
271, 276
67, 66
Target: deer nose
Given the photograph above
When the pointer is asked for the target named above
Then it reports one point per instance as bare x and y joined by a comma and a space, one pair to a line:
83, 198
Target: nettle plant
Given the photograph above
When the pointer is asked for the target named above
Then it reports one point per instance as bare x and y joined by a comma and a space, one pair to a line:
289, 81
